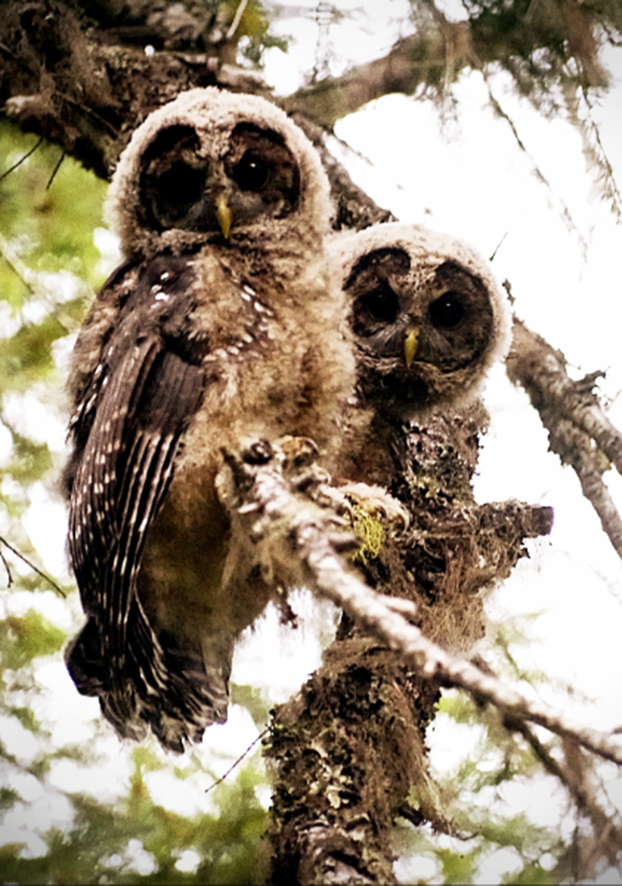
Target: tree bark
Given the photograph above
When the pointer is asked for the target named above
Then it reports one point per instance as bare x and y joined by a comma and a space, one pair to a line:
348, 753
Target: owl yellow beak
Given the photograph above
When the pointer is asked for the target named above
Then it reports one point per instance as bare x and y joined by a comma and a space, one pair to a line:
223, 214
410, 346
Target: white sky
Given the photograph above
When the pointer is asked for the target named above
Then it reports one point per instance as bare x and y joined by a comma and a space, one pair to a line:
467, 178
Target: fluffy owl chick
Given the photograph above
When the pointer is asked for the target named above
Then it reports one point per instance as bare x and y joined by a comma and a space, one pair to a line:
428, 320
221, 327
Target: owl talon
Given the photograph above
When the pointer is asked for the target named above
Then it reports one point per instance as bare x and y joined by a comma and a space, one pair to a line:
377, 503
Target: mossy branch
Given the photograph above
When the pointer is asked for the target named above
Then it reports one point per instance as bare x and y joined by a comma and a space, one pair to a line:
286, 510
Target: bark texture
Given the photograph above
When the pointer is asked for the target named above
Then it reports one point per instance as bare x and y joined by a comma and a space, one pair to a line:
348, 753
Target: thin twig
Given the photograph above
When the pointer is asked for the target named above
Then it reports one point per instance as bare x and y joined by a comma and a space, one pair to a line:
238, 761
562, 208
236, 19
34, 568
5, 563
21, 159
55, 170
575, 782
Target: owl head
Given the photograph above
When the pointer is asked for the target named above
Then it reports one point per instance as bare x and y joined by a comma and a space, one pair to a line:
217, 166
427, 316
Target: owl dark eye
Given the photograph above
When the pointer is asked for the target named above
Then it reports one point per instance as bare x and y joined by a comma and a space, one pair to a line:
252, 172
448, 311
381, 304
179, 188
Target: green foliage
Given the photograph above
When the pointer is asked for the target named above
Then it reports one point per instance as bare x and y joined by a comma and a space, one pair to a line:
109, 842
105, 842
48, 266
458, 867
254, 701
51, 221
28, 637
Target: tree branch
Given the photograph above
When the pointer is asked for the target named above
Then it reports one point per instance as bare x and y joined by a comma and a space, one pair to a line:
439, 50
574, 773
579, 431
285, 522
82, 89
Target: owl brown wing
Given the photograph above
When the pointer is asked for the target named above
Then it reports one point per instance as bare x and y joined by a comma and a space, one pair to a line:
128, 433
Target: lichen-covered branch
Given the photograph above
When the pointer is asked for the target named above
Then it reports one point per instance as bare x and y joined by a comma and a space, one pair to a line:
579, 431
338, 801
344, 754
345, 751
290, 521
541, 370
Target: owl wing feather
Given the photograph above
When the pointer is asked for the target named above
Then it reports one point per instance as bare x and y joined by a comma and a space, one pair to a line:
131, 421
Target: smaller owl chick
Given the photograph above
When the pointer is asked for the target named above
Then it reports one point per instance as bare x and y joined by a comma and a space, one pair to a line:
428, 317
428, 320
221, 327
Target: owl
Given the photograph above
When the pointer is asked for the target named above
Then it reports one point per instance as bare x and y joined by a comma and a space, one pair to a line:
222, 326
428, 320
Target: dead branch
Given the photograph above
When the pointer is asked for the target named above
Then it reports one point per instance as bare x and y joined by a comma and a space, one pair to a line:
433, 57
579, 431
286, 524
